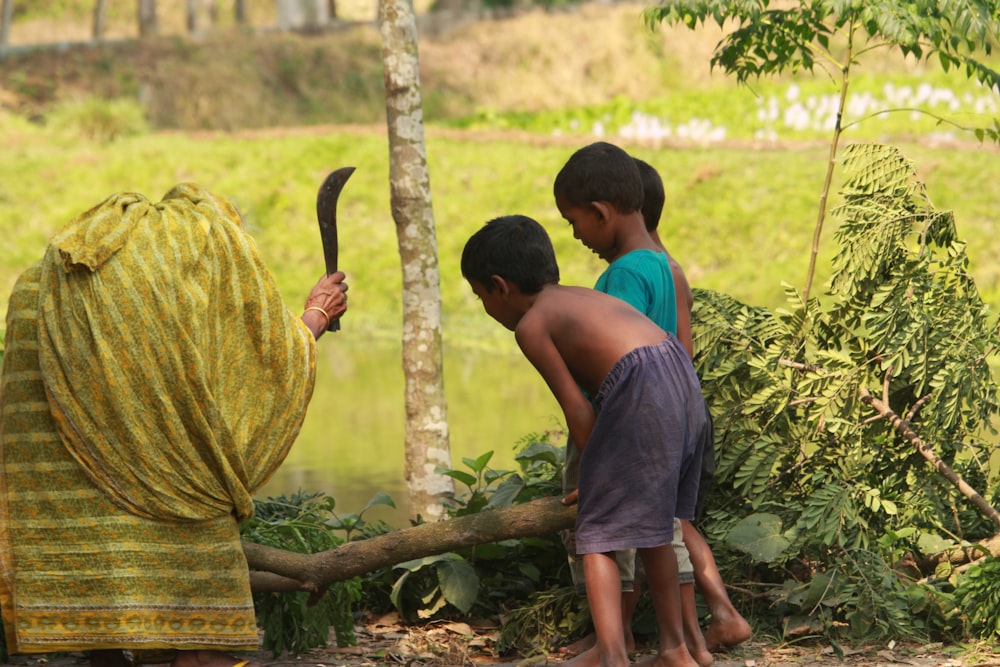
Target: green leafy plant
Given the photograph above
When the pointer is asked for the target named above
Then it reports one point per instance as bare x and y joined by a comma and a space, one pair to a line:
454, 582
489, 577
811, 466
833, 36
831, 408
978, 597
546, 618
306, 523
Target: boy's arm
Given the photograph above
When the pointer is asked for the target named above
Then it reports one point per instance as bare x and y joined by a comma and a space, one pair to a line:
538, 347
685, 301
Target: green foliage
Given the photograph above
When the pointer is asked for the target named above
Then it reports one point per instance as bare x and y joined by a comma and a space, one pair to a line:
455, 582
547, 618
769, 40
754, 199
807, 479
489, 578
305, 523
978, 598
811, 473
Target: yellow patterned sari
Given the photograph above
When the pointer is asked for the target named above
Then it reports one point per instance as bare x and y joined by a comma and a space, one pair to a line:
152, 380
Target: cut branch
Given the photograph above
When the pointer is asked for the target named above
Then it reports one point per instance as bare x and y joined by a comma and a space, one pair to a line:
904, 429
961, 557
277, 570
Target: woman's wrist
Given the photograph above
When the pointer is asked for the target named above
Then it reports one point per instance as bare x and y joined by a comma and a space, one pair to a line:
316, 320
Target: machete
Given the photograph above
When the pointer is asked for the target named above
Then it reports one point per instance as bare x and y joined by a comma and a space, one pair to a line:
326, 213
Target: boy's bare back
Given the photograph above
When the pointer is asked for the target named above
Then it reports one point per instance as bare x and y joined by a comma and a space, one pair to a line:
573, 336
582, 330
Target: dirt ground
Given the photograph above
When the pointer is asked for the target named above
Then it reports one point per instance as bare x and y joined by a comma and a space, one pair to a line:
384, 641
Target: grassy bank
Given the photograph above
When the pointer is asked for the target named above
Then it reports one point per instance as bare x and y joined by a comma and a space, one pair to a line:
739, 219
505, 103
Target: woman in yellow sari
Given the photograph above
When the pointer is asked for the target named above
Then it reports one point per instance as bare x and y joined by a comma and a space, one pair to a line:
153, 378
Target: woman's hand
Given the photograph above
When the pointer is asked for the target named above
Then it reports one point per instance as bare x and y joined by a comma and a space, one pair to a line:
327, 302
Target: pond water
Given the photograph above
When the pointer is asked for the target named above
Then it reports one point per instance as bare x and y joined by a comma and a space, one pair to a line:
352, 442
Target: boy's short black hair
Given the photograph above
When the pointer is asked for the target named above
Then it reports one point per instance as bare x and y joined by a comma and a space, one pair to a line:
600, 172
653, 196
514, 247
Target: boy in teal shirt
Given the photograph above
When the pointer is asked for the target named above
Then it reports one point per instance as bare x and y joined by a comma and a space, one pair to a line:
727, 626
599, 192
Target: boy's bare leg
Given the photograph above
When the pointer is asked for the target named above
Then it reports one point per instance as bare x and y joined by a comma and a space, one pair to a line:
604, 595
693, 638
630, 600
727, 627
661, 577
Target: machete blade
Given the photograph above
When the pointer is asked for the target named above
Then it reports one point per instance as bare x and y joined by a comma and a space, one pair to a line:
326, 214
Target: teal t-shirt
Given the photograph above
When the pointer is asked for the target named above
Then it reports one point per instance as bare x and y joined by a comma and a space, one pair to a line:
643, 279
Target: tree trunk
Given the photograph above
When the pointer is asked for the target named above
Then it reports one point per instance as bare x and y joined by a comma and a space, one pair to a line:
427, 444
240, 12
192, 17
6, 17
276, 570
308, 15
100, 13
148, 24
201, 16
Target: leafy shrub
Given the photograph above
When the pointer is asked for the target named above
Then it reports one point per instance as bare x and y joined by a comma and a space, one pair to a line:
978, 596
305, 523
545, 618
490, 578
811, 469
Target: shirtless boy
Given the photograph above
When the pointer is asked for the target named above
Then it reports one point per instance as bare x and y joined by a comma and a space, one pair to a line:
631, 401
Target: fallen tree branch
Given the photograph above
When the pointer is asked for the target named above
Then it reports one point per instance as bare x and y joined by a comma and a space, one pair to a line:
277, 570
903, 427
960, 557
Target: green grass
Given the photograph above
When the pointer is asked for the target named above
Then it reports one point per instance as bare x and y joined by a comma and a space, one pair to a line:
740, 220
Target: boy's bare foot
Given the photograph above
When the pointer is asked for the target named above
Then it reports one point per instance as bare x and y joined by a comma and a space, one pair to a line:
587, 658
702, 656
203, 658
698, 649
726, 631
587, 643
678, 657
579, 646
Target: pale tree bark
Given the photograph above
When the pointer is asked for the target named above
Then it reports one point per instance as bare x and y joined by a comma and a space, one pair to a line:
201, 16
149, 26
6, 17
309, 15
100, 13
426, 409
193, 26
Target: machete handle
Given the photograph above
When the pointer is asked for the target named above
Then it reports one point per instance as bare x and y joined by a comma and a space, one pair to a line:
326, 214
